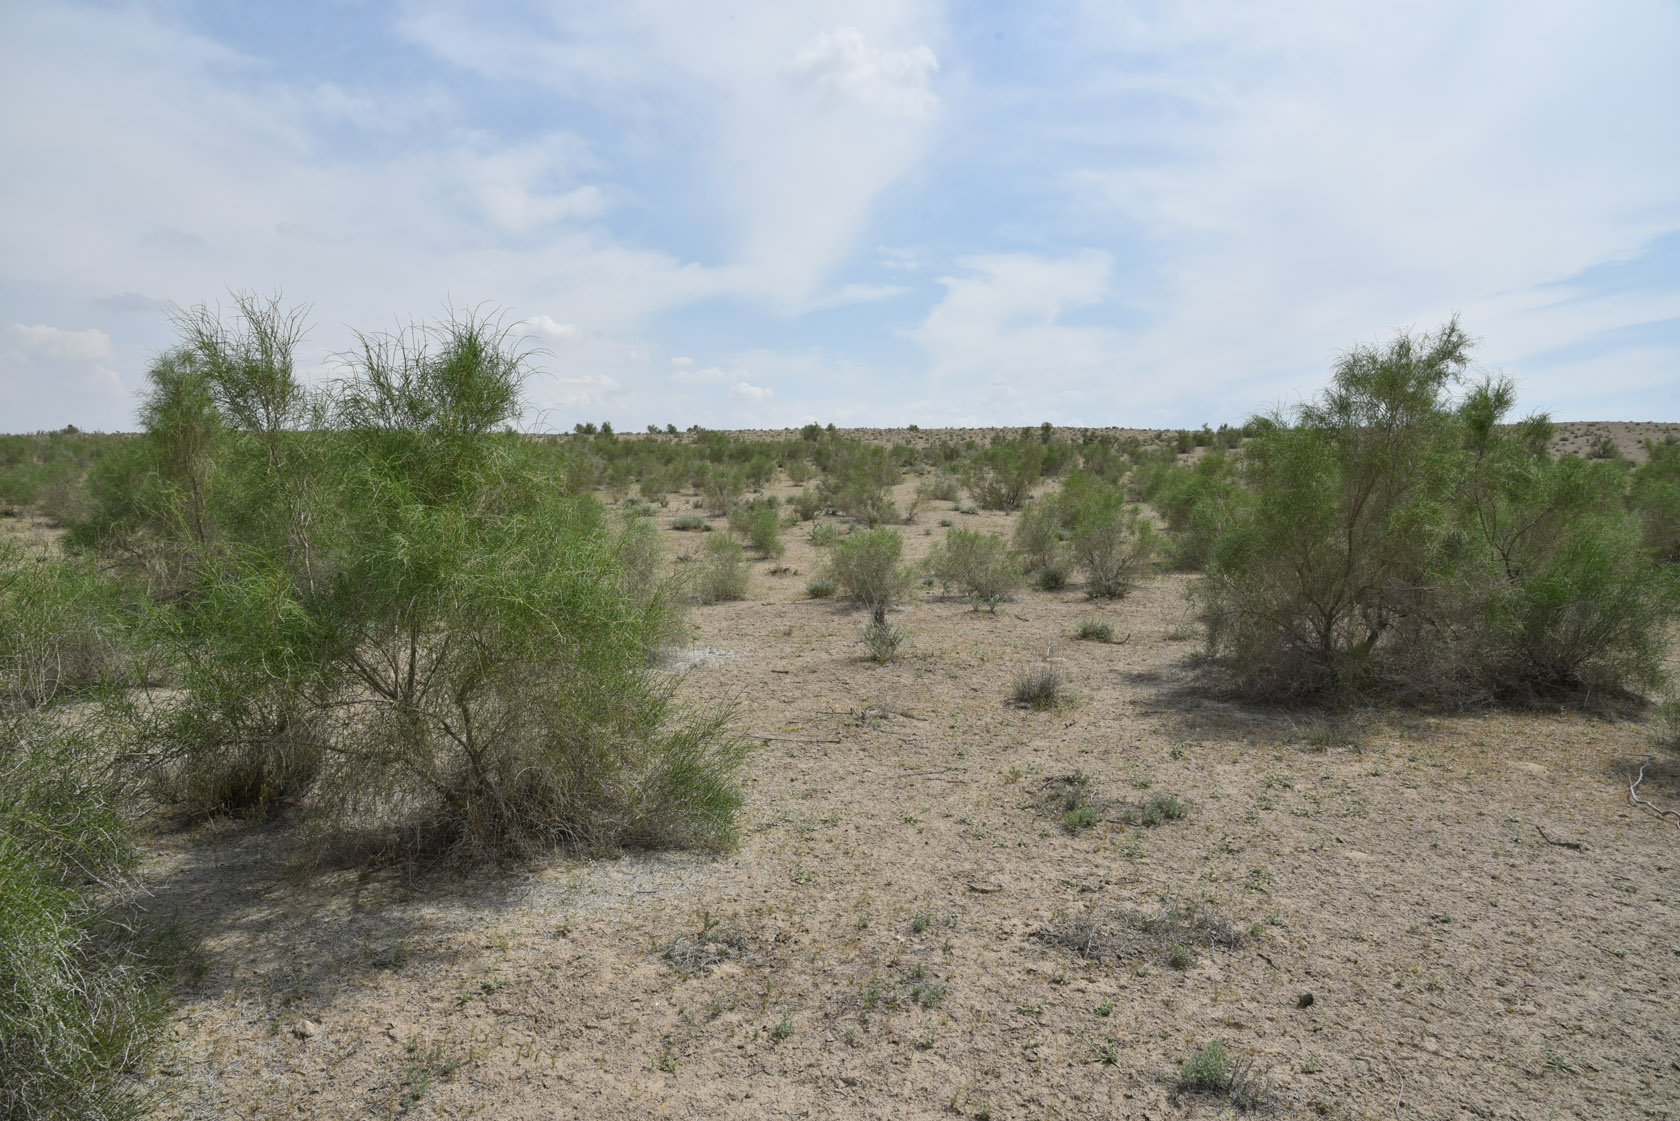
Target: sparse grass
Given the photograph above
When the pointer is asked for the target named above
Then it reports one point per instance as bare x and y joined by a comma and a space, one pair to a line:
1213, 1071
883, 640
1038, 688
1170, 936
722, 575
1094, 629
434, 1064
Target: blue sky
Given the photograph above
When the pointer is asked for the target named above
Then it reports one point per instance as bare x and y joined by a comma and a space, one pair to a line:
762, 213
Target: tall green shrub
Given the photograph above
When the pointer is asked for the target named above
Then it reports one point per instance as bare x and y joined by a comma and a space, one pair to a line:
1395, 536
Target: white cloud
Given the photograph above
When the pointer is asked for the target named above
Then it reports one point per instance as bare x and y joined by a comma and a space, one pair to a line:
683, 372
549, 328
53, 376
750, 392
999, 333
842, 63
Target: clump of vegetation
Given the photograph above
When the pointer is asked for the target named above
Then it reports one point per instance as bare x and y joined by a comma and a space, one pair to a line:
1038, 688
820, 587
63, 629
722, 572
866, 567
1396, 538
857, 481
761, 523
1094, 629
1112, 543
1170, 936
979, 565
690, 523
388, 610
1213, 1071
1654, 495
883, 640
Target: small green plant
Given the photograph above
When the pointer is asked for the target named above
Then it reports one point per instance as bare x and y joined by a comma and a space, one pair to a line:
1214, 1072
1081, 817
1038, 688
422, 1069
690, 523
722, 574
783, 1029
866, 566
820, 587
1052, 577
1094, 630
979, 565
1104, 1009
883, 640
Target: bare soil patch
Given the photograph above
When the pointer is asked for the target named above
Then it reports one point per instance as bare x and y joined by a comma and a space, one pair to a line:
881, 945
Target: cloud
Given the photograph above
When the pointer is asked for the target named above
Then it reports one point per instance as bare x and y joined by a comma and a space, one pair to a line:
1000, 332
549, 328
843, 64
750, 392
53, 376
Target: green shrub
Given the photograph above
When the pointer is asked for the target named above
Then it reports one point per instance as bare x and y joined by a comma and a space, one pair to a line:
1394, 538
1000, 477
1112, 543
978, 564
807, 504
721, 491
1095, 630
1038, 688
820, 587
1214, 1072
1038, 536
77, 1015
824, 534
883, 640
1654, 494
61, 629
723, 572
764, 529
1051, 578
857, 481
407, 618
690, 523
866, 566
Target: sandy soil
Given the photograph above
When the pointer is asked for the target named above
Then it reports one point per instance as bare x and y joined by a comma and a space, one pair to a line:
876, 947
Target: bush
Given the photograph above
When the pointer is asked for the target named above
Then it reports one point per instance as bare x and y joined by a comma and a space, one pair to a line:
883, 640
762, 524
407, 619
1654, 494
857, 481
1112, 543
1394, 538
1000, 477
979, 564
76, 1012
1095, 630
1038, 688
1038, 536
690, 523
820, 587
1051, 578
1213, 1071
61, 629
807, 504
723, 572
866, 566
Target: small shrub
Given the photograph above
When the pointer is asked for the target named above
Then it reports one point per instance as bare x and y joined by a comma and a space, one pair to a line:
979, 564
1051, 578
806, 504
690, 523
1037, 535
1095, 630
1603, 447
824, 534
820, 587
1214, 1072
1113, 544
76, 1012
883, 640
722, 576
866, 566
1038, 688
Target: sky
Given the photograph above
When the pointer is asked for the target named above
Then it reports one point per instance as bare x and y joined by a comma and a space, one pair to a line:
761, 213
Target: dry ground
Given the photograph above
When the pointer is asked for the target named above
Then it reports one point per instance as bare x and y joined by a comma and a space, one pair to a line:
875, 949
